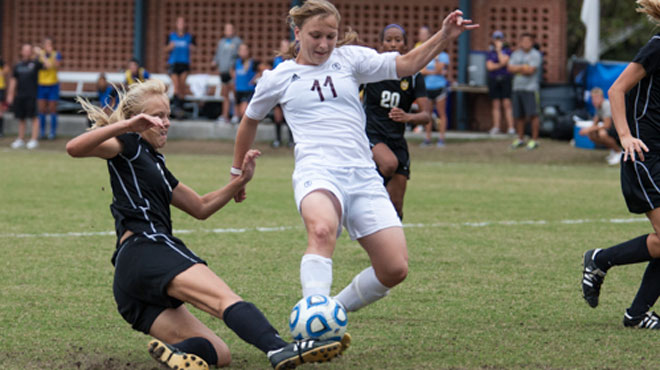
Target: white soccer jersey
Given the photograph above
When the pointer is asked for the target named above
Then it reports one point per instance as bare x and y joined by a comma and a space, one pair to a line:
321, 104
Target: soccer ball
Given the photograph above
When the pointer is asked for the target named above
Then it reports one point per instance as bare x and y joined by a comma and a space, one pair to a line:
317, 317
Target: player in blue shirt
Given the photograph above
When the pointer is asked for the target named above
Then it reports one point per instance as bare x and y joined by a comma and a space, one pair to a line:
179, 45
243, 74
437, 88
278, 116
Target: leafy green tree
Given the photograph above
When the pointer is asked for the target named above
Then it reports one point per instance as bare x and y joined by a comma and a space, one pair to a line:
618, 21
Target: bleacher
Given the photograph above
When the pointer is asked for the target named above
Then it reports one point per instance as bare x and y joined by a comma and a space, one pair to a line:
202, 88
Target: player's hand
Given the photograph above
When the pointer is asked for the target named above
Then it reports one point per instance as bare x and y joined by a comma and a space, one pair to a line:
398, 115
633, 147
143, 122
10, 100
454, 24
249, 164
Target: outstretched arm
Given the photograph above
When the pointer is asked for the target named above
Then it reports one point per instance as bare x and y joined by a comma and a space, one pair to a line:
201, 207
247, 130
102, 142
417, 58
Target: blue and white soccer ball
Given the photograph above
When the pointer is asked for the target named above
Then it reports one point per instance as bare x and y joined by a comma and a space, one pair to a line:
318, 317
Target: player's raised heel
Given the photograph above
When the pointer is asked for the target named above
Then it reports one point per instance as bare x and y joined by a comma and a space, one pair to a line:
306, 351
345, 343
592, 278
175, 359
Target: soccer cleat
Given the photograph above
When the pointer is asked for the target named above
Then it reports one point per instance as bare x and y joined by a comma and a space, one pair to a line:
532, 144
425, 143
345, 343
592, 278
648, 320
32, 144
440, 143
517, 144
310, 350
174, 358
614, 158
18, 143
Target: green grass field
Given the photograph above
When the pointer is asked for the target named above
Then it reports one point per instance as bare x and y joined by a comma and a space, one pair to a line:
495, 241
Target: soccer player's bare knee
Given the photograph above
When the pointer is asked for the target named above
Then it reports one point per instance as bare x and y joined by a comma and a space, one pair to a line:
653, 245
322, 234
392, 273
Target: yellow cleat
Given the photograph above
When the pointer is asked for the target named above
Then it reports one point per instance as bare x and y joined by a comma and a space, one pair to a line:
175, 359
345, 343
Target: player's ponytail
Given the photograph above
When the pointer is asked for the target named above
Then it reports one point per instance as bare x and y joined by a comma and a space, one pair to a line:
298, 15
131, 103
651, 8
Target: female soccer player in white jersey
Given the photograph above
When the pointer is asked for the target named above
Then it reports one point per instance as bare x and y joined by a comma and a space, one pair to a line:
335, 181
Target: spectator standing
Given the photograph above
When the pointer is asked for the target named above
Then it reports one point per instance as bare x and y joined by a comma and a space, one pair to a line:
224, 58
49, 88
243, 73
499, 83
437, 88
3, 89
135, 73
22, 93
179, 45
423, 34
602, 130
524, 64
278, 116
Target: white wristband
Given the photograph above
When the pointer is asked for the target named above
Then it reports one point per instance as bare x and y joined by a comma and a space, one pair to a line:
235, 171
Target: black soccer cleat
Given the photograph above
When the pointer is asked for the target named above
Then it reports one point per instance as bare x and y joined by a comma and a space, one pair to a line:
306, 351
648, 320
592, 278
173, 358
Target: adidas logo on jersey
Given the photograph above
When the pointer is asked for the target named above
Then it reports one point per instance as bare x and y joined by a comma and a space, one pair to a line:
295, 78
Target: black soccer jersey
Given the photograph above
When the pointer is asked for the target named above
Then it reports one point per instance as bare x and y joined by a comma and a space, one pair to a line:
382, 96
141, 188
643, 100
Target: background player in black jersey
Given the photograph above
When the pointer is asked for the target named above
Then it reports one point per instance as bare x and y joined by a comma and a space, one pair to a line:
154, 271
637, 121
387, 105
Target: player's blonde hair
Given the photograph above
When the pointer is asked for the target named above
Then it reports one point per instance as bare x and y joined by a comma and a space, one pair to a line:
651, 8
298, 15
597, 91
131, 103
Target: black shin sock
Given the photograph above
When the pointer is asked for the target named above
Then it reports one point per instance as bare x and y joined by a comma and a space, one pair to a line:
648, 291
251, 325
632, 251
2, 125
200, 347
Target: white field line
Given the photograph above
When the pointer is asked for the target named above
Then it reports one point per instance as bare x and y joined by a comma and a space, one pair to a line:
75, 234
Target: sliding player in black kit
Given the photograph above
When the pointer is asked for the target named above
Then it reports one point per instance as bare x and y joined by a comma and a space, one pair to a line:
155, 272
387, 105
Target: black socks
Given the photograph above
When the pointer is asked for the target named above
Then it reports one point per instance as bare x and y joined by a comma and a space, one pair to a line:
632, 251
648, 291
200, 347
251, 325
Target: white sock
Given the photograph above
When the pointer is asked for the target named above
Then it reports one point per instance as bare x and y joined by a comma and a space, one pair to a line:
315, 275
363, 290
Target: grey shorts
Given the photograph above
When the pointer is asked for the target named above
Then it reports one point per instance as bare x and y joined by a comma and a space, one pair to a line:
524, 104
